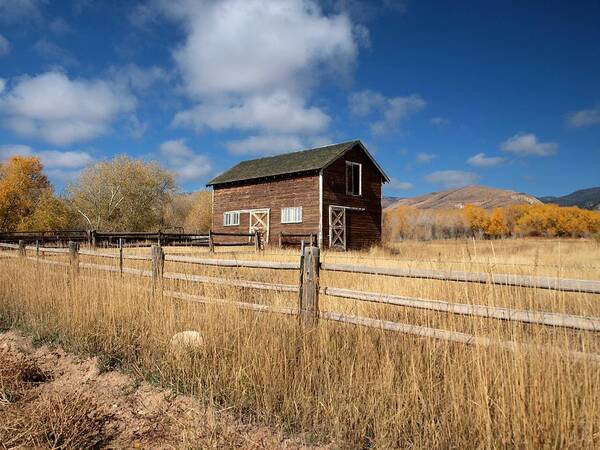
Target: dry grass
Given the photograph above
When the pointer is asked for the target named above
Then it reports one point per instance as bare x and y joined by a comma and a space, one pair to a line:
353, 387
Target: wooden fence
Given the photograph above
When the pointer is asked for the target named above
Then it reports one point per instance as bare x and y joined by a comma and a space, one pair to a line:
309, 289
137, 239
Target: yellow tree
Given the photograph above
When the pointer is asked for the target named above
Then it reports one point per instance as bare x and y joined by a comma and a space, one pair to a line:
199, 217
496, 225
477, 218
22, 187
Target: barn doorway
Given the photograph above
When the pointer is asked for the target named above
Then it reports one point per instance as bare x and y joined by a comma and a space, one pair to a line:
259, 221
337, 228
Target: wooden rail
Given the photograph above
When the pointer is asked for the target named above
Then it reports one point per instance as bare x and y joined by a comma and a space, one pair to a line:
514, 315
560, 284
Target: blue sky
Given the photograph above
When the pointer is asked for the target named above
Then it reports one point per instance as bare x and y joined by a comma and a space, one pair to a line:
444, 94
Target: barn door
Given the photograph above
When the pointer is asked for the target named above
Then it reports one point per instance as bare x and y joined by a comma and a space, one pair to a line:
259, 221
337, 227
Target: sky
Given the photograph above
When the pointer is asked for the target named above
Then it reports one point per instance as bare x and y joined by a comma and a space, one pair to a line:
443, 94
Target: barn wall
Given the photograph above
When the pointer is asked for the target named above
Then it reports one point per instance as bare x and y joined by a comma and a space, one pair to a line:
274, 194
363, 228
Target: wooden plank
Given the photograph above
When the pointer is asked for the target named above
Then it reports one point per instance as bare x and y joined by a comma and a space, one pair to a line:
514, 315
234, 263
455, 336
309, 298
561, 284
11, 246
235, 283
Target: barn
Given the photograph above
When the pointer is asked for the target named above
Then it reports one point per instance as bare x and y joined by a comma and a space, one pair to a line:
331, 192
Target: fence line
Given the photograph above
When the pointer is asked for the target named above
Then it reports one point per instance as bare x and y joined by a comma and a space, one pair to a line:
309, 302
515, 315
560, 284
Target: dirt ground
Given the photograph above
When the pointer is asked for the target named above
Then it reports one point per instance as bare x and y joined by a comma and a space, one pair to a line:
50, 399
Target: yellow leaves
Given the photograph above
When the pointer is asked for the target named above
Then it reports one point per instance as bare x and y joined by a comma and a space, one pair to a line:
199, 217
22, 188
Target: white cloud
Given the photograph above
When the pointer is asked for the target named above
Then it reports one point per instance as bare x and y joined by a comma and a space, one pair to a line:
12, 11
440, 122
4, 46
452, 178
252, 64
51, 159
53, 52
527, 144
2, 85
265, 145
132, 76
480, 160
584, 118
61, 111
6, 151
59, 26
277, 112
392, 110
425, 158
397, 185
187, 165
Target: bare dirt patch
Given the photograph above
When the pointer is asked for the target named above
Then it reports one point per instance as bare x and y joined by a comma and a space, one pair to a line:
50, 399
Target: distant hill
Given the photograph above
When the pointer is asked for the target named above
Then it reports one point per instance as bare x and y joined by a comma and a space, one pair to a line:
388, 201
584, 198
483, 196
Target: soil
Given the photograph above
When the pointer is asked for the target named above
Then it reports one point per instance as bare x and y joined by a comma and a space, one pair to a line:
118, 411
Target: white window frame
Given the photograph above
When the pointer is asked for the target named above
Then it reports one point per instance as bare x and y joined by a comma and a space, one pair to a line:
349, 191
234, 220
295, 214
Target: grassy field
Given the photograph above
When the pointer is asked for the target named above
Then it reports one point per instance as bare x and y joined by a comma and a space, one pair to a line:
342, 385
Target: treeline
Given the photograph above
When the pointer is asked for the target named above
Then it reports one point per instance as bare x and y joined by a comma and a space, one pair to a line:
472, 221
123, 194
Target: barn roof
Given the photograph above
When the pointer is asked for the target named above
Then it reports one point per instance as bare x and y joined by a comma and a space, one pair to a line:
301, 161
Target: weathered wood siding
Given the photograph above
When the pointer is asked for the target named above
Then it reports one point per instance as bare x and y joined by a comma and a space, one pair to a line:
363, 228
274, 195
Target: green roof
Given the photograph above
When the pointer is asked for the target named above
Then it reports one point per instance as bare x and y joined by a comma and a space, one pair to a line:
302, 161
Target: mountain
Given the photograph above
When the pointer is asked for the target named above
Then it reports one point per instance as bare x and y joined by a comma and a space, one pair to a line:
584, 198
388, 201
483, 196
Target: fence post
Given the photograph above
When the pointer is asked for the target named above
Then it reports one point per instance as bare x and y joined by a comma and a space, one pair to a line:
74, 257
211, 242
121, 256
309, 289
257, 241
158, 265
22, 251
37, 248
93, 238
280, 238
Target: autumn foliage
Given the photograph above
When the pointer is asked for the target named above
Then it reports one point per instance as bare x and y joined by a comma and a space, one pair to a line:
515, 220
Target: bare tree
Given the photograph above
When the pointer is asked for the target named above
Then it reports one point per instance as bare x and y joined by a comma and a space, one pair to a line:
123, 194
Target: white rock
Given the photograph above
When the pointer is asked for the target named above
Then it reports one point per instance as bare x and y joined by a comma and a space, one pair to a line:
186, 340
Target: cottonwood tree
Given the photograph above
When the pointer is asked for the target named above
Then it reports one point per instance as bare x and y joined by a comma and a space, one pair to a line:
123, 194
26, 198
199, 217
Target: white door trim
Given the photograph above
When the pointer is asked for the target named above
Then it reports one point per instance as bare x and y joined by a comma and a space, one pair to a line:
266, 223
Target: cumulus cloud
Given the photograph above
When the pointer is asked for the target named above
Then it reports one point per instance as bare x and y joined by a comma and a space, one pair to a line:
252, 64
187, 165
134, 77
584, 118
52, 107
526, 144
60, 166
4, 46
2, 85
481, 160
425, 158
390, 110
397, 185
452, 178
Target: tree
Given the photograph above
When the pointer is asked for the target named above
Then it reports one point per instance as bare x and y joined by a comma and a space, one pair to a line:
477, 218
123, 194
496, 224
23, 188
199, 217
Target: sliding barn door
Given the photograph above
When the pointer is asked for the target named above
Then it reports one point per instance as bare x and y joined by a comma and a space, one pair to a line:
337, 228
259, 221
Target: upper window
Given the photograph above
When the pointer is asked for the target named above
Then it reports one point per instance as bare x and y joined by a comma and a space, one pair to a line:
291, 215
231, 218
353, 178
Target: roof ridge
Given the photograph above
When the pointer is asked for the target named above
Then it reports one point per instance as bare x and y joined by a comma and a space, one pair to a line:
300, 151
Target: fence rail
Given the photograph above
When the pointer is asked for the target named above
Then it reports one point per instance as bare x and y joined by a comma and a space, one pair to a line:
309, 289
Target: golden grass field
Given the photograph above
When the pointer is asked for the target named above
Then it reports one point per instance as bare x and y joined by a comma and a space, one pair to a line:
342, 385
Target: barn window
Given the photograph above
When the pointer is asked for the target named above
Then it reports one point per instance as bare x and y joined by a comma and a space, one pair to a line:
231, 218
353, 178
291, 215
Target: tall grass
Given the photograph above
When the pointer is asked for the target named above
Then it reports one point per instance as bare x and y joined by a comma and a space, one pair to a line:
349, 386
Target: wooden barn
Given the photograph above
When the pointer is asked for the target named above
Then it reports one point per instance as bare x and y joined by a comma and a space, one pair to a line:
331, 192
